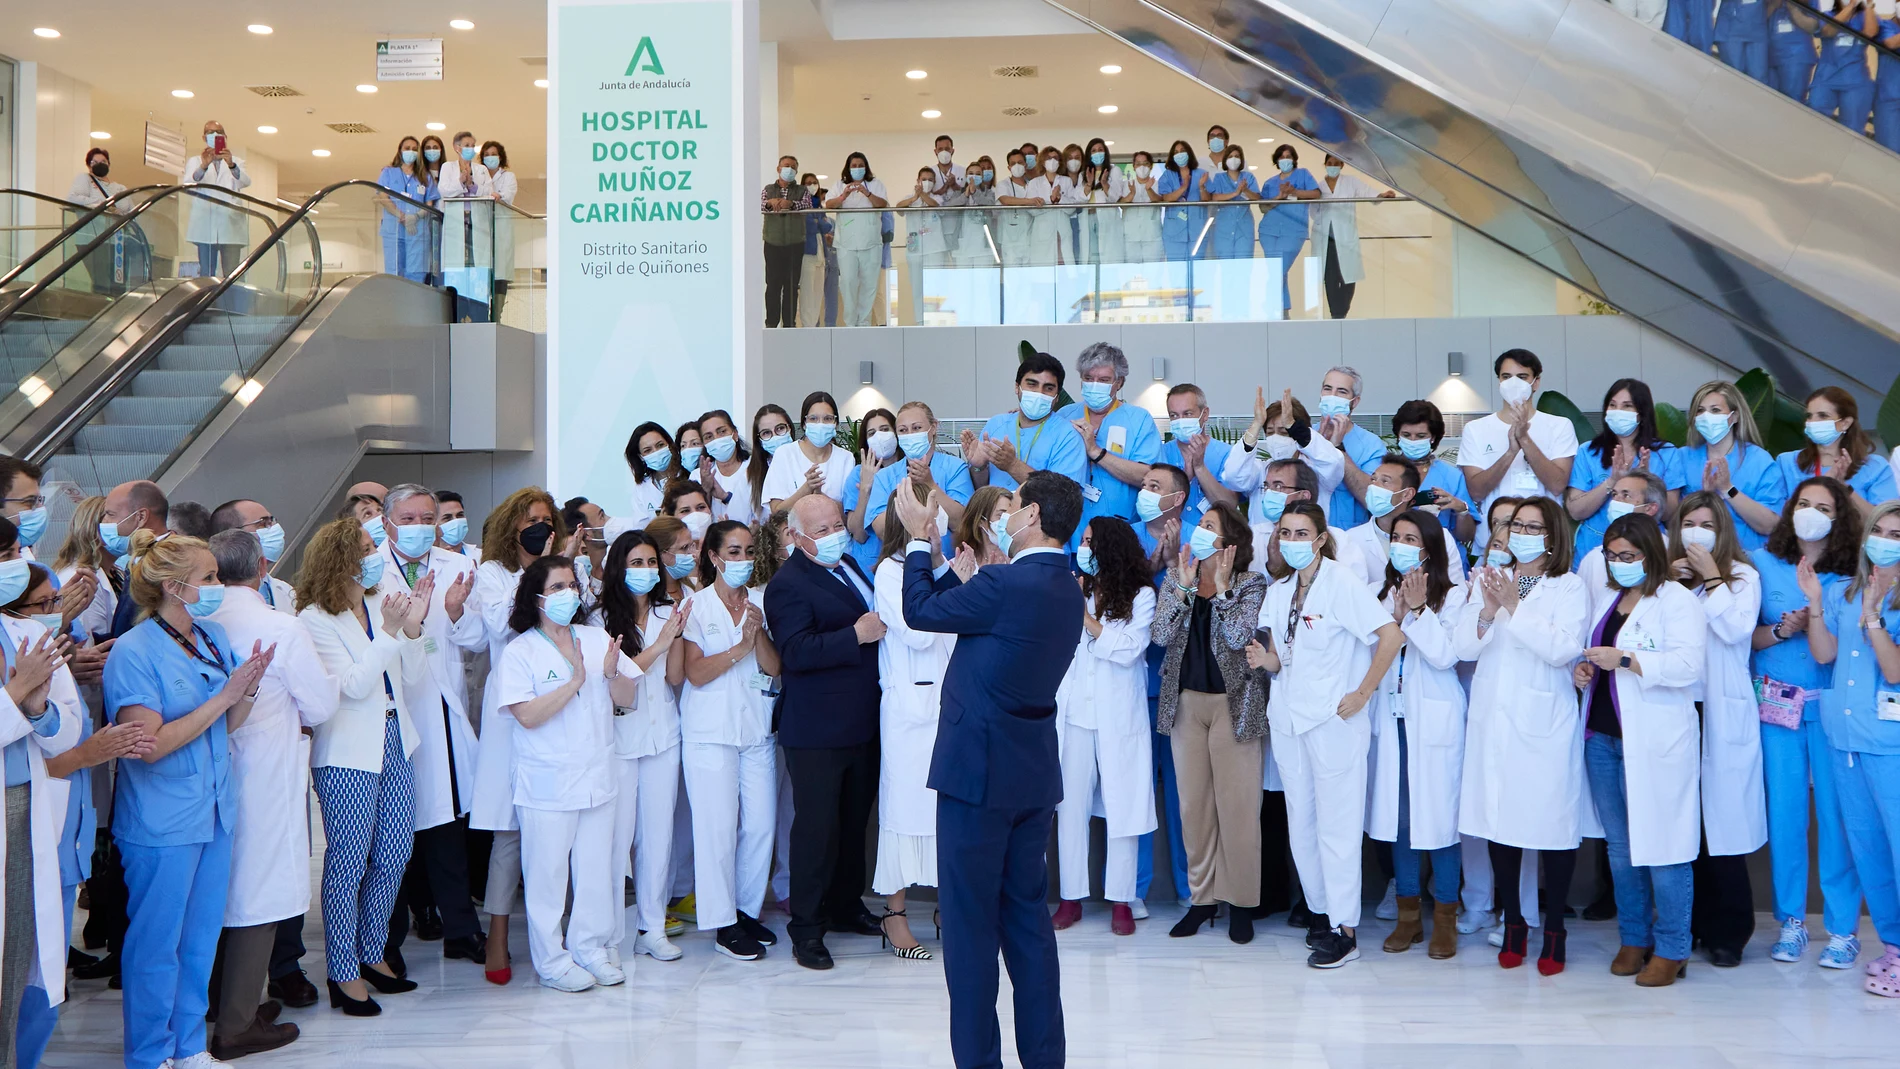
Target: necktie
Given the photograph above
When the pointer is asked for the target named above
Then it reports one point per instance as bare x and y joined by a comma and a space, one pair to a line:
409, 573
264, 588
845, 578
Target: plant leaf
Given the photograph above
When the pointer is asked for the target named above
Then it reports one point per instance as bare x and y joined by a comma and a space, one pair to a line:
1671, 424
1887, 422
1557, 404
1026, 349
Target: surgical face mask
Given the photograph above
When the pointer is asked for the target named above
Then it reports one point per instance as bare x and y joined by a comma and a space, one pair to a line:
454, 531
51, 621
1148, 505
658, 461
1018, 170
1822, 431
829, 549
1884, 552
493, 163
722, 449
1085, 560
1333, 169
1298, 555
1272, 505
13, 579
370, 571
1049, 165
681, 567
408, 155
1526, 547
1142, 172
1616, 510
1233, 163
1332, 404
989, 175
641, 580
1216, 145
414, 539
432, 154
1404, 558
857, 174
1034, 406
116, 544
771, 443
32, 524
820, 434
377, 533
1415, 448
999, 530
1181, 159
1278, 447
101, 169
1074, 164
468, 152
534, 537
811, 188
1378, 500
561, 605
697, 523
943, 157
271, 541
210, 596
788, 175
1285, 163
690, 455
1713, 426
915, 446
1627, 573
1201, 543
1621, 421
1184, 428
1096, 159
1514, 390
1811, 524
736, 573
1097, 395
1498, 558
1698, 536
883, 444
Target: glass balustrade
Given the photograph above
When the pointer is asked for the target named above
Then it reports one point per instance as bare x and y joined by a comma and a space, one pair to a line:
494, 255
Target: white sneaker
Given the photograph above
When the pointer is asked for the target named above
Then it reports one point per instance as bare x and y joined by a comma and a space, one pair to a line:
1139, 908
1389, 905
606, 973
574, 979
200, 1060
613, 956
1470, 921
656, 946
1496, 938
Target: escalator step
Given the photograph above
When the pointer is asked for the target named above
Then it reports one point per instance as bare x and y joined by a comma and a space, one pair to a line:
157, 382
149, 411
131, 440
96, 473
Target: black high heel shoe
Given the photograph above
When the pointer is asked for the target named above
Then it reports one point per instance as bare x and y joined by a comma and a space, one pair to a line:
1192, 921
384, 983
354, 1007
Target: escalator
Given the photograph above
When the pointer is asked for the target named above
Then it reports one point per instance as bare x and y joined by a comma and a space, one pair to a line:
269, 383
1678, 190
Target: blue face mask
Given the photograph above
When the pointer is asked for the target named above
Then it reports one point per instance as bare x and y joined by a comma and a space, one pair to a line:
659, 460
1626, 573
210, 596
787, 174
561, 605
1085, 560
32, 524
408, 155
1181, 159
1621, 422
736, 573
493, 163
1819, 431
1148, 505
681, 567
1183, 429
1216, 144
271, 541
1272, 505
1713, 426
1201, 543
454, 531
1526, 548
770, 443
1097, 395
915, 446
1098, 158
721, 449
829, 549
1378, 500
999, 530
641, 580
370, 572
689, 457
1498, 558
1616, 510
989, 175
414, 539
820, 434
1285, 164
468, 153
1297, 555
14, 575
1884, 552
1333, 169
857, 174
1334, 405
116, 544
1415, 448
1404, 558
432, 154
1034, 406
374, 527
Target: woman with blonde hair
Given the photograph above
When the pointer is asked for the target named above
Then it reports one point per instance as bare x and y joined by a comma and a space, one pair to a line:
84, 550
1724, 455
359, 758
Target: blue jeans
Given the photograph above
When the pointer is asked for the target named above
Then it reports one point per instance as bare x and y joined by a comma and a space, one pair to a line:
1790, 760
1665, 891
175, 913
1870, 808
1171, 808
1405, 860
210, 253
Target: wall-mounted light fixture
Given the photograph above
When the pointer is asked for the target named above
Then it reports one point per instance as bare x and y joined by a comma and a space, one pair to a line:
1160, 368
1455, 364
867, 370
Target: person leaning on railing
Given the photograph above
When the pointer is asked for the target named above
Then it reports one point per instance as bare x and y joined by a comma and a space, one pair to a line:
784, 242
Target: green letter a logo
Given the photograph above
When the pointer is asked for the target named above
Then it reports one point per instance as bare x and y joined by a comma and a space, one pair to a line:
644, 50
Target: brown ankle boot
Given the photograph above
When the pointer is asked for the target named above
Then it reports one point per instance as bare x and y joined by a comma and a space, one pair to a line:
1629, 961
1410, 928
1444, 930
1661, 972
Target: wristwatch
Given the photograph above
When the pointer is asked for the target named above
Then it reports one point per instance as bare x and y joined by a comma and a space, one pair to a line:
1624, 662
1734, 491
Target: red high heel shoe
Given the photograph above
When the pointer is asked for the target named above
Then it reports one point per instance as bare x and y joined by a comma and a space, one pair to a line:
1517, 939
1551, 961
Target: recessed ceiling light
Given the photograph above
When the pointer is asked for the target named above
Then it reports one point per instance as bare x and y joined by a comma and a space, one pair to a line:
260, 29
101, 135
1108, 109
436, 125
540, 83
267, 129
932, 113
1111, 68
1251, 167
824, 178
183, 94
914, 75
1110, 144
319, 152
461, 24
45, 31
1266, 141
366, 88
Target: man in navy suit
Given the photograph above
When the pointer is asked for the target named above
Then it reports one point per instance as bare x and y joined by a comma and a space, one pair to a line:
820, 606
994, 768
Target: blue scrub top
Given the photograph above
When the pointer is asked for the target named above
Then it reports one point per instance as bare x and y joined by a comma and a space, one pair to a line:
1587, 470
1790, 661
1176, 220
1755, 473
1887, 71
1742, 20
1233, 217
1285, 221
1052, 445
1215, 460
1139, 442
1366, 449
1451, 479
866, 551
952, 475
396, 180
1843, 63
1849, 705
1873, 480
1785, 39
181, 798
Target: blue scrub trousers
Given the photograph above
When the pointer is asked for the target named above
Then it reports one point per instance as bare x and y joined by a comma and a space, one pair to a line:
1887, 123
1745, 55
1790, 760
1791, 73
1870, 808
1287, 251
1853, 105
1665, 891
369, 819
1691, 22
1171, 810
38, 1016
175, 912
1406, 862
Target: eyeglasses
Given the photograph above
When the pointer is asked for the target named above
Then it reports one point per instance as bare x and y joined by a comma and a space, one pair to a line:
47, 604
1631, 557
30, 502
259, 524
1528, 528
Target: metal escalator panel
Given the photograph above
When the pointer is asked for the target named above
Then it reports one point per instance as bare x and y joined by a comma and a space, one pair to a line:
1679, 190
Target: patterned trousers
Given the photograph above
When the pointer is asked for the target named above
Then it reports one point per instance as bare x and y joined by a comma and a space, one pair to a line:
369, 820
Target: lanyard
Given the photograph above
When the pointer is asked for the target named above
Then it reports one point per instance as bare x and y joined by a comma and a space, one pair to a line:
1293, 608
370, 630
187, 645
1024, 453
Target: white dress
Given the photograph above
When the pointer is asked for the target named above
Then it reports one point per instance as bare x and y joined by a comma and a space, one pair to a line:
910, 666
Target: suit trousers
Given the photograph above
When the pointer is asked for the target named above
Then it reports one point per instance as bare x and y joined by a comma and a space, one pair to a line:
1723, 913
1220, 780
286, 953
438, 876
237, 977
833, 790
782, 263
993, 880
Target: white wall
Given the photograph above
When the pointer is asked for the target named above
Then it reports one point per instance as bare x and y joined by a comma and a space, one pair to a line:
53, 129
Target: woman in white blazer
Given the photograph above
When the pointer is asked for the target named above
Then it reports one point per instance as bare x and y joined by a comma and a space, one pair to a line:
1102, 731
1418, 729
1638, 677
910, 668
1708, 560
369, 638
468, 229
1523, 786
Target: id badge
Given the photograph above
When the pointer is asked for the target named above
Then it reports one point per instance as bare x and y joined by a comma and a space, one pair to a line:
760, 682
1527, 483
1091, 493
429, 646
1887, 705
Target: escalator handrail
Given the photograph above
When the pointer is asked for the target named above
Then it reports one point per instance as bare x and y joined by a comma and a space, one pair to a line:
74, 228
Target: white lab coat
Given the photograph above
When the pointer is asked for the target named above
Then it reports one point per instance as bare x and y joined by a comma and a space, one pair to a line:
1341, 223
1433, 701
1523, 782
1657, 712
49, 799
438, 700
477, 219
283, 595
494, 808
353, 736
96, 618
505, 221
1107, 686
910, 668
270, 763
1734, 798
1246, 472
212, 222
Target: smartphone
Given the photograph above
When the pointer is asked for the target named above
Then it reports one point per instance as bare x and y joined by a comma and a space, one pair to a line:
1428, 497
219, 147
1264, 636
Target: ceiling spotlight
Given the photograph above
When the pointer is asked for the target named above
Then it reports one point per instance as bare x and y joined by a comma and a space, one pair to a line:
436, 125
45, 31
461, 24
1110, 144
540, 83
1266, 141
260, 29
183, 94
366, 88
932, 113
320, 153
267, 129
824, 178
101, 135
915, 75
1111, 68
1108, 109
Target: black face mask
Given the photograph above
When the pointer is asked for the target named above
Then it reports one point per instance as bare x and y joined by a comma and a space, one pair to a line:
101, 168
534, 537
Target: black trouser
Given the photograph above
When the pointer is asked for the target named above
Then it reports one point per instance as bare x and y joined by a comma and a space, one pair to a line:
1338, 291
237, 977
1724, 911
1276, 870
286, 954
832, 794
105, 889
782, 265
1559, 867
437, 875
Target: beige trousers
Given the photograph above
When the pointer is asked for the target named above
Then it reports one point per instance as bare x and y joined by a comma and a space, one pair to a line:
1219, 779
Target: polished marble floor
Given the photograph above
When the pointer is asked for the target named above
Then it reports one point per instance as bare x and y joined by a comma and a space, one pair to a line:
1143, 1001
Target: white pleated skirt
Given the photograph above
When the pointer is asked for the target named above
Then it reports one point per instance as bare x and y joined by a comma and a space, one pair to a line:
904, 861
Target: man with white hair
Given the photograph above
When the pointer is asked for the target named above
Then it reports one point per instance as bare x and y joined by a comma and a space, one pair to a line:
1119, 439
1339, 394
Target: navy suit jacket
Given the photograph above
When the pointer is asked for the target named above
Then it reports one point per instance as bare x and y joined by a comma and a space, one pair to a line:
1017, 626
828, 686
